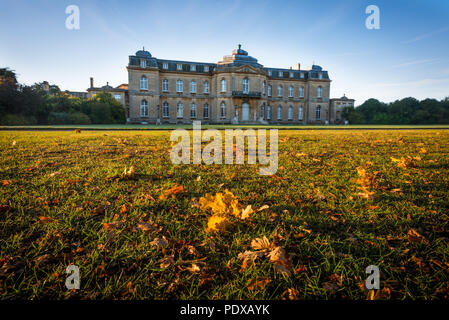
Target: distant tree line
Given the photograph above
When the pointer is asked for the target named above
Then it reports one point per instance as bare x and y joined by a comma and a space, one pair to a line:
405, 111
41, 104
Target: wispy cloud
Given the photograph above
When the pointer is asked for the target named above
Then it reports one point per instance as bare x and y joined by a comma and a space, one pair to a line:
416, 62
426, 35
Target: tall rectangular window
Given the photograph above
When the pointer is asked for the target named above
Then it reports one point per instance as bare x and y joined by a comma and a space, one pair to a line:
179, 110
165, 85
206, 111
165, 110
193, 111
193, 86
179, 66
179, 86
206, 87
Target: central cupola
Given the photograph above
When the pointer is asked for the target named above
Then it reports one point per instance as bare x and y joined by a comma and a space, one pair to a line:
239, 57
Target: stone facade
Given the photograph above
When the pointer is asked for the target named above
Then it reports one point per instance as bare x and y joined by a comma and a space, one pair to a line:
235, 90
336, 108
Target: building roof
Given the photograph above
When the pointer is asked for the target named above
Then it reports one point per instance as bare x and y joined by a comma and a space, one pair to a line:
238, 57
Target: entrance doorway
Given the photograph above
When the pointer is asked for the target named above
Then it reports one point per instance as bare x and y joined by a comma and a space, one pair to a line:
245, 112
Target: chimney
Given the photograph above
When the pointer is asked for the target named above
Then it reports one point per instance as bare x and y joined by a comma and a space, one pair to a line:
91, 82
298, 66
289, 68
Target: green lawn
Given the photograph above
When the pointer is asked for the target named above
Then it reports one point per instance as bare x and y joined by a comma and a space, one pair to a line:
340, 201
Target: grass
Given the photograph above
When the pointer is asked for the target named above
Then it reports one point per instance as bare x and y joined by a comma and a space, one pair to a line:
64, 200
218, 126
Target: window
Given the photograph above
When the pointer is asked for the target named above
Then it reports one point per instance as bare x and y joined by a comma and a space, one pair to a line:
264, 84
262, 111
143, 83
144, 108
319, 92
223, 110
179, 66
117, 97
269, 113
165, 110
193, 111
206, 87
301, 75
290, 91
320, 76
179, 86
269, 90
206, 111
290, 113
143, 63
301, 92
318, 113
223, 85
279, 113
300, 113
206, 68
280, 91
269, 73
192, 67
165, 65
179, 110
245, 85
291, 74
281, 74
165, 85
193, 86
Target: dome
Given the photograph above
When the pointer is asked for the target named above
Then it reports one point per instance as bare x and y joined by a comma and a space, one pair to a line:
239, 57
143, 54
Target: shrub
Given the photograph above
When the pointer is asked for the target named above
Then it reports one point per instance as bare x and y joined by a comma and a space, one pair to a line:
17, 120
59, 118
80, 118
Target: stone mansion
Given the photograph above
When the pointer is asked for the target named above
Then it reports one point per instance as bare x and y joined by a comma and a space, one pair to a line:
236, 90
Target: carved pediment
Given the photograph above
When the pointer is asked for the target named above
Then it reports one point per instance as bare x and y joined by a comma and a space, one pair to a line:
248, 69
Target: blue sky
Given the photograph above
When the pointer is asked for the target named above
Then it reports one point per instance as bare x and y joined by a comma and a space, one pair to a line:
408, 56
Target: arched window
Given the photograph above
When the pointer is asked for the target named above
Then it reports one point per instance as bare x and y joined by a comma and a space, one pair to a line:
300, 113
290, 113
165, 85
279, 113
193, 86
280, 91
165, 110
223, 85
301, 91
269, 90
179, 86
206, 87
290, 91
179, 110
318, 113
223, 110
144, 108
245, 85
206, 111
268, 112
319, 92
143, 83
264, 84
193, 111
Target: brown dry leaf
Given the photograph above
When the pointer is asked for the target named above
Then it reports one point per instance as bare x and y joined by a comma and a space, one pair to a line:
167, 261
330, 286
292, 294
414, 237
45, 220
145, 226
261, 244
172, 192
42, 259
193, 268
159, 242
258, 284
112, 225
247, 212
265, 206
283, 269
277, 255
